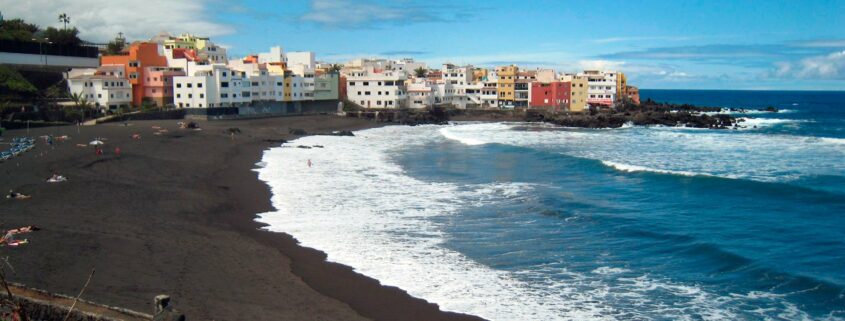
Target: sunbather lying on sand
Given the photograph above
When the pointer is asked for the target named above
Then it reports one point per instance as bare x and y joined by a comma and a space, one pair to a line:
56, 178
15, 195
9, 238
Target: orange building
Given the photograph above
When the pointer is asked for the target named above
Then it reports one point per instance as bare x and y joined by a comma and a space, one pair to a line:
140, 56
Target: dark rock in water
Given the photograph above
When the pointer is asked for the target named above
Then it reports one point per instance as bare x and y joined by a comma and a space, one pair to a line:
281, 141
770, 109
643, 115
297, 131
317, 146
303, 146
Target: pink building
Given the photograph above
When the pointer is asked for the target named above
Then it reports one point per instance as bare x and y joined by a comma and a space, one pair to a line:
554, 95
158, 84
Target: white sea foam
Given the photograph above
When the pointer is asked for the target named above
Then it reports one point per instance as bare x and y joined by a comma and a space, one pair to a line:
635, 168
361, 208
739, 112
749, 122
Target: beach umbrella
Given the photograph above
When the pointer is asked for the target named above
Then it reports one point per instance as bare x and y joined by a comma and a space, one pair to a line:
96, 142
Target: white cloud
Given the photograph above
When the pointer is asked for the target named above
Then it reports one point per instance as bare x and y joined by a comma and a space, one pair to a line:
345, 13
638, 39
100, 21
831, 66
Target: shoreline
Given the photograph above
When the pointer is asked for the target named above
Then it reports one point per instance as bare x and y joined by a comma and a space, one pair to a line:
175, 213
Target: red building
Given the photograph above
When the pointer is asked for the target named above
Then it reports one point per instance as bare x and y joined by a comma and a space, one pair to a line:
554, 95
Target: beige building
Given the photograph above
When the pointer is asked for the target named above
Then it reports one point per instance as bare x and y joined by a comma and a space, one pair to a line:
578, 100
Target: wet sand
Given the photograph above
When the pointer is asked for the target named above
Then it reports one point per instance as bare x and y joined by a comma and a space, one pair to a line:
174, 214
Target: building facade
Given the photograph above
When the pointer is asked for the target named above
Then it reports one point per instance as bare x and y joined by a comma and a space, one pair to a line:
373, 89
554, 95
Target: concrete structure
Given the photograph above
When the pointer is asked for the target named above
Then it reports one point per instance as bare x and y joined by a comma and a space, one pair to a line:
554, 95
409, 66
105, 86
44, 55
372, 88
140, 56
505, 85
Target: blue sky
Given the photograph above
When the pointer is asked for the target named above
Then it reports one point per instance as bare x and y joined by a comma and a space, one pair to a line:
660, 44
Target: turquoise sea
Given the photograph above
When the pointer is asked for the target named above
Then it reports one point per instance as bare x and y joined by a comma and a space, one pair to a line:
517, 221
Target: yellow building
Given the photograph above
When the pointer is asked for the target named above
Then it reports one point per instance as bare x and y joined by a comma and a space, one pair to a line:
505, 85
288, 81
578, 95
621, 86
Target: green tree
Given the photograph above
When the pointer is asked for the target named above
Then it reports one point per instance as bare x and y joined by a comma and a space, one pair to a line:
420, 72
64, 18
335, 68
13, 84
17, 29
116, 46
63, 36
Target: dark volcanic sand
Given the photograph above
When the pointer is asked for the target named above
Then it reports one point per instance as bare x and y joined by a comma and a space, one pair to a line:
174, 214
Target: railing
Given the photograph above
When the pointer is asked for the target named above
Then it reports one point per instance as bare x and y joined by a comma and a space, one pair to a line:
40, 48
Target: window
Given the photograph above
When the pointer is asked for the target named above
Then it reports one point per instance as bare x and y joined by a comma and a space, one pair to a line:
255, 83
224, 74
279, 84
111, 95
234, 95
127, 95
378, 102
366, 93
224, 84
359, 93
202, 95
199, 85
224, 95
179, 85
379, 83
178, 95
154, 90
352, 83
366, 83
99, 95
200, 105
190, 96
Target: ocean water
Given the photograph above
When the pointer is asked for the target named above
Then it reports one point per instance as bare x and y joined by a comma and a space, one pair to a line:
517, 221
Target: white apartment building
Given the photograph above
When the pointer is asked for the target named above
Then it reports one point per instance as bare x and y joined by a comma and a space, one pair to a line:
371, 88
105, 86
263, 86
211, 86
602, 87
420, 94
302, 82
303, 58
489, 95
456, 79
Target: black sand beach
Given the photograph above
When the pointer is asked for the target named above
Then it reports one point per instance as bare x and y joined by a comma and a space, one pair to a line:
173, 214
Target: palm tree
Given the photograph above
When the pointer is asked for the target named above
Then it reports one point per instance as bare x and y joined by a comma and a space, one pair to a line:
335, 68
420, 72
81, 102
64, 18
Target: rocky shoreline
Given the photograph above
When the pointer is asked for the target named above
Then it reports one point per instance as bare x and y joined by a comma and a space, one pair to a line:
649, 113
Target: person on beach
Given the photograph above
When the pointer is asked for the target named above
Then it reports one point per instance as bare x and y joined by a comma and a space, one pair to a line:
8, 239
56, 178
117, 151
309, 163
15, 195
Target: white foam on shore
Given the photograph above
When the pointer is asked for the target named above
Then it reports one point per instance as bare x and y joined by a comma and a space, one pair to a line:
360, 208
